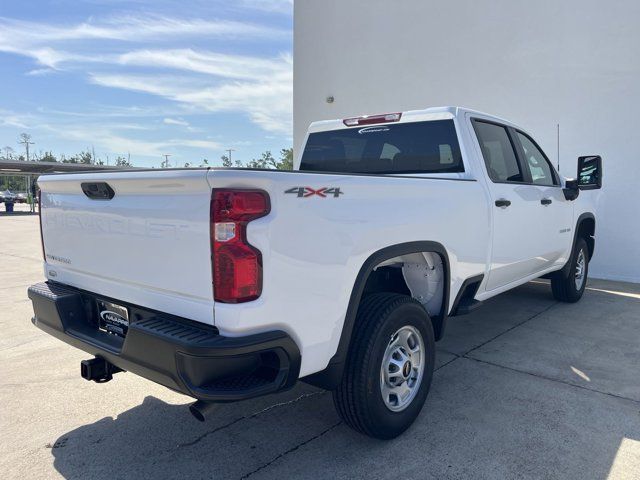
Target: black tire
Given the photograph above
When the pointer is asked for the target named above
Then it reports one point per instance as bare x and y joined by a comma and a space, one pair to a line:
564, 287
359, 398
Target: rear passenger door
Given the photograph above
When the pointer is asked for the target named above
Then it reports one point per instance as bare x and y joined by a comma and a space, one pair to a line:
516, 236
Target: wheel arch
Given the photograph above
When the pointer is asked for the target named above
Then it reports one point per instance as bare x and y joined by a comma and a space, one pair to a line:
330, 376
585, 228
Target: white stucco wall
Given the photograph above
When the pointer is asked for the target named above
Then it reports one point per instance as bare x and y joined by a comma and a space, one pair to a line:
540, 63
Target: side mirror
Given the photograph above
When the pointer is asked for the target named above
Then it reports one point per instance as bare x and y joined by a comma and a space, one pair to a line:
590, 172
571, 189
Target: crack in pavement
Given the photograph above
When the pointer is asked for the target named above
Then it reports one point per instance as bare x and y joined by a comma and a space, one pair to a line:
511, 328
537, 375
464, 355
292, 449
252, 415
557, 380
22, 257
447, 363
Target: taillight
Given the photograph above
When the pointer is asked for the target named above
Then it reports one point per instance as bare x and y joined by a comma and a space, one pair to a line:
237, 265
39, 194
372, 119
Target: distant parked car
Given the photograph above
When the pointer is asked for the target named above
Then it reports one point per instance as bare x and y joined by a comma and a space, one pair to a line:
21, 198
8, 197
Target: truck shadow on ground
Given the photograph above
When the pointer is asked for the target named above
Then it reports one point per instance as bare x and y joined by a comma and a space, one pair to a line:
483, 419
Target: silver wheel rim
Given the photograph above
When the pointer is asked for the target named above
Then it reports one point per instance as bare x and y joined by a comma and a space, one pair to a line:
581, 264
402, 368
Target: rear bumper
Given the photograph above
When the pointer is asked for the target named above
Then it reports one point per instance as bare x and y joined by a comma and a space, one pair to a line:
180, 354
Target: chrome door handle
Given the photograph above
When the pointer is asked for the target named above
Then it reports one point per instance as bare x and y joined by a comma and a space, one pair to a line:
502, 202
546, 201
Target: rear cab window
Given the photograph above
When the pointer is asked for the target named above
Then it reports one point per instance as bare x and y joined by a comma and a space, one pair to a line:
400, 148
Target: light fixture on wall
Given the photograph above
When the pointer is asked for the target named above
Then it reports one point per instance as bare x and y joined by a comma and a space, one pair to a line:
330, 99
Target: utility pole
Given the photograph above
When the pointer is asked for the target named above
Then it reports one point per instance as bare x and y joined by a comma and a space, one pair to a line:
558, 139
229, 150
26, 141
165, 164
93, 152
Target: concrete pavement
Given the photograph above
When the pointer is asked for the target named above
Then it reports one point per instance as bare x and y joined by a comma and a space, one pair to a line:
525, 388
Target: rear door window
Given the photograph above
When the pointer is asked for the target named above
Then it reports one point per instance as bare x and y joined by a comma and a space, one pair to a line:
498, 152
418, 147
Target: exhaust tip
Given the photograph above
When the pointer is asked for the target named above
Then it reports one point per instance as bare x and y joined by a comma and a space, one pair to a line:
200, 410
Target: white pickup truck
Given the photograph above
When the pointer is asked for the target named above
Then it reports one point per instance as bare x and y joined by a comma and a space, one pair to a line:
227, 284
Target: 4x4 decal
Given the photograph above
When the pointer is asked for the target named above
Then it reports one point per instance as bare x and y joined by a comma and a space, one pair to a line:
305, 192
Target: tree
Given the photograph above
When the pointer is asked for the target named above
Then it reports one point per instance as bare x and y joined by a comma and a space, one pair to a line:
47, 157
82, 157
122, 162
85, 157
286, 159
8, 152
25, 139
266, 161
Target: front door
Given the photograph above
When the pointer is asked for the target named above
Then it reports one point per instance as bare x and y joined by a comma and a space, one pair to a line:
555, 215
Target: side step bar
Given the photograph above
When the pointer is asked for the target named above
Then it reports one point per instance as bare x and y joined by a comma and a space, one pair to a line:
465, 301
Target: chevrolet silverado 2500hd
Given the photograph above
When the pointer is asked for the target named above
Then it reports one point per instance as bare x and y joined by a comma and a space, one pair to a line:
227, 284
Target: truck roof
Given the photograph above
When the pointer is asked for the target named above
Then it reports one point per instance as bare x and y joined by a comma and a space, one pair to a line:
431, 113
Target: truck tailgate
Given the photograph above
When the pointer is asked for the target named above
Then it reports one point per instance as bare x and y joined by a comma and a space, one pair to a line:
149, 245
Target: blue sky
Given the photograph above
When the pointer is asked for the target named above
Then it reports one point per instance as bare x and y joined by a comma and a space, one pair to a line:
147, 77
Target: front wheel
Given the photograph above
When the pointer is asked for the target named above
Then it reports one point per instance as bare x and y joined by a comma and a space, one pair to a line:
569, 288
389, 366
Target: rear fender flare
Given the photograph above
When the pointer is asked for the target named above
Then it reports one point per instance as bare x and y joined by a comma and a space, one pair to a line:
330, 377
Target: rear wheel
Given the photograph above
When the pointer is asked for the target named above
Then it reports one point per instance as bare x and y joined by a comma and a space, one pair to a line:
569, 288
389, 366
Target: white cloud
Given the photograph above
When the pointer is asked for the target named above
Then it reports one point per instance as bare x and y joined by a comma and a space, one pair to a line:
267, 102
40, 71
13, 119
212, 63
259, 87
278, 6
206, 144
106, 137
175, 121
128, 28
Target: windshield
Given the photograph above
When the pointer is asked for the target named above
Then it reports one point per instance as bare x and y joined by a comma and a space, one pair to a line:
419, 147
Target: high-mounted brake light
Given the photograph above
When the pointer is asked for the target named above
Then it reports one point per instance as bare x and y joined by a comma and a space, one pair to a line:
237, 265
372, 119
